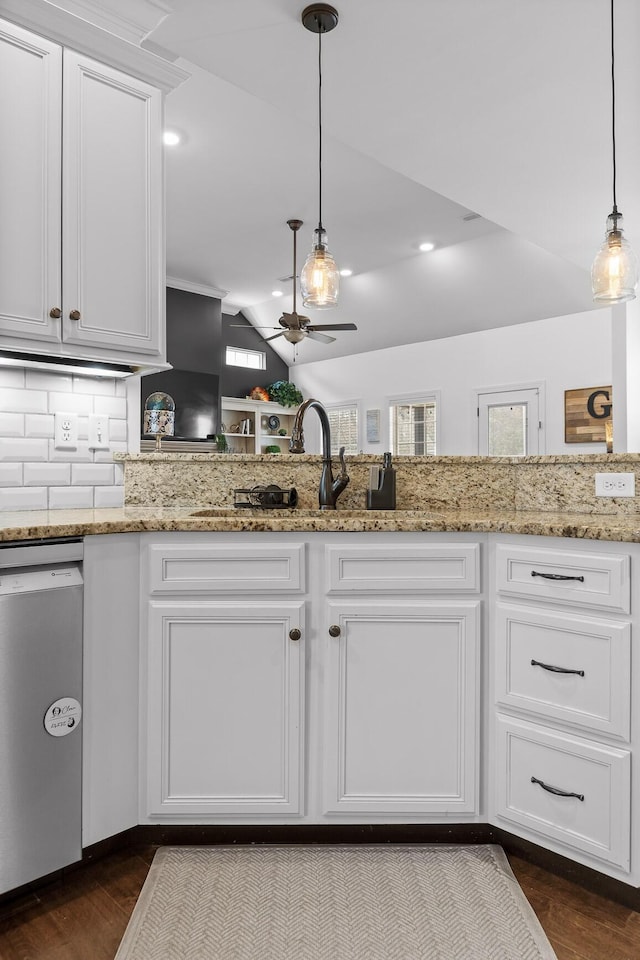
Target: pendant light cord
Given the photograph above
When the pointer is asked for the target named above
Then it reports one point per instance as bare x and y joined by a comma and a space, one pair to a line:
613, 112
320, 133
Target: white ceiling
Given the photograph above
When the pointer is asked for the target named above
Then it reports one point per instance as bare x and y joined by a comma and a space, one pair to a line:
432, 109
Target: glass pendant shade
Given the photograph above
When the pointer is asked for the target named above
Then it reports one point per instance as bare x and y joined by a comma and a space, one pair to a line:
320, 277
614, 273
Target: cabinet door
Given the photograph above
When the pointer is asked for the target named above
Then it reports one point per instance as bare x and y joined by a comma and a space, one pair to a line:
401, 708
112, 268
30, 120
224, 708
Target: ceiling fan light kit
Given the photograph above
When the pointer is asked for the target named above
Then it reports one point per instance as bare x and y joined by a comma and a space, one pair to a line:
614, 273
320, 277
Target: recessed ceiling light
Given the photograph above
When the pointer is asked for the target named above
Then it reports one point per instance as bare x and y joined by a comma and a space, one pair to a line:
346, 272
276, 293
170, 138
426, 247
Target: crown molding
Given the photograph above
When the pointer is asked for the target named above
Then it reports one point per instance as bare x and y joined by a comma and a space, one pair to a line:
70, 29
204, 289
131, 20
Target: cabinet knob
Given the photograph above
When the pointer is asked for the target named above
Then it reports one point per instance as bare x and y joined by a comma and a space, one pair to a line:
334, 630
74, 315
55, 313
295, 634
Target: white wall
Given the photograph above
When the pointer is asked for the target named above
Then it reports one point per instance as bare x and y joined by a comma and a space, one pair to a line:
565, 352
34, 476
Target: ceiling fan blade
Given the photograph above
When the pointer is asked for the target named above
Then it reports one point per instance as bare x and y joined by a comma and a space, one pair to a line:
332, 326
243, 326
322, 337
275, 336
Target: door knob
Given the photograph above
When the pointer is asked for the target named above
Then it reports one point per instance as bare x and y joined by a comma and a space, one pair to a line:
295, 634
334, 630
74, 315
55, 313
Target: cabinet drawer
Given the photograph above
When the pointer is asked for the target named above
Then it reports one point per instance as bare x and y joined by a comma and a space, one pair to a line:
398, 568
564, 666
588, 579
596, 820
226, 568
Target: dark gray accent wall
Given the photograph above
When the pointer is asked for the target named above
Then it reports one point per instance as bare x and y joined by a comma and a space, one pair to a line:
197, 336
238, 381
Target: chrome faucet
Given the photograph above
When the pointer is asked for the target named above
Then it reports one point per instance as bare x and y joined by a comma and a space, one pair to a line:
329, 489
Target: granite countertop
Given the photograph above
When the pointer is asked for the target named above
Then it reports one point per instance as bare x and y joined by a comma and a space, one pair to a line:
36, 524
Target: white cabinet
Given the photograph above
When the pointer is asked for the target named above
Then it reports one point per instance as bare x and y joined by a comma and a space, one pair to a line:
223, 677
240, 635
225, 707
562, 688
81, 248
401, 708
250, 426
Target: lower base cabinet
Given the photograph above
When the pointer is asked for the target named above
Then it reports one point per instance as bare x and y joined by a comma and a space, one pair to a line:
225, 708
400, 708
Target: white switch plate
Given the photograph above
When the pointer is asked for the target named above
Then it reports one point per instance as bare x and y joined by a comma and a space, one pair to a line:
98, 431
615, 484
66, 431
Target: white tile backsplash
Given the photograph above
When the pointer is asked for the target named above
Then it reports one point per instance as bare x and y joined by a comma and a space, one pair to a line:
12, 425
109, 497
47, 474
35, 476
23, 498
39, 425
23, 401
23, 449
70, 498
10, 377
70, 403
115, 407
11, 474
94, 474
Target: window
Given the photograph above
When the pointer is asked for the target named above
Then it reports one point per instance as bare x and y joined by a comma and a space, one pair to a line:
239, 357
509, 422
413, 427
344, 428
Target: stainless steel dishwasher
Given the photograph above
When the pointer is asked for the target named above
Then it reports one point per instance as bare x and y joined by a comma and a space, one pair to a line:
40, 709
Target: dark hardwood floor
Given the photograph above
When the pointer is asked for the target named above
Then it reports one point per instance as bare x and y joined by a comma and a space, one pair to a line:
84, 916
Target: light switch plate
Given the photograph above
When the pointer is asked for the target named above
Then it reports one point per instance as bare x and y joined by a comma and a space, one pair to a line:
65, 431
98, 431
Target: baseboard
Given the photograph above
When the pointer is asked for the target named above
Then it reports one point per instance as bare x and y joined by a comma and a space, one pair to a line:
178, 835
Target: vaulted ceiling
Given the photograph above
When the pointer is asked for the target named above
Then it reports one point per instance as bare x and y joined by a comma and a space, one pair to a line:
433, 109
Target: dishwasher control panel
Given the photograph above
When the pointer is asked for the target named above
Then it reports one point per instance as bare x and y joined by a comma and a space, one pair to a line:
25, 580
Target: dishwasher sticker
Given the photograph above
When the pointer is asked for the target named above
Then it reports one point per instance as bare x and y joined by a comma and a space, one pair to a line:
62, 717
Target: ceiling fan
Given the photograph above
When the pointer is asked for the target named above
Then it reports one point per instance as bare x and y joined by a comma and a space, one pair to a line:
296, 326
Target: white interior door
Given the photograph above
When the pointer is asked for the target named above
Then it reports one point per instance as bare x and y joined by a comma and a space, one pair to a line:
509, 423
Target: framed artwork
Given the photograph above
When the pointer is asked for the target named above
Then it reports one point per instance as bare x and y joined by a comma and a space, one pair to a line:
588, 415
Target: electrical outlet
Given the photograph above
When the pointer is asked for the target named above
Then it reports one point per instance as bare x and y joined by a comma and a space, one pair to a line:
98, 431
615, 484
66, 431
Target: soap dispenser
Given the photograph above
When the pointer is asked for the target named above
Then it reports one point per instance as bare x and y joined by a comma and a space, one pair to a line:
381, 494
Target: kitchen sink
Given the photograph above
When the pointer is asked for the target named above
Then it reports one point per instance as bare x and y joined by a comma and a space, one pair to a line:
235, 512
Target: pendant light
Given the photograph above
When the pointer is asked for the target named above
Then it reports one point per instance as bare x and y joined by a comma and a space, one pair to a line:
320, 277
614, 273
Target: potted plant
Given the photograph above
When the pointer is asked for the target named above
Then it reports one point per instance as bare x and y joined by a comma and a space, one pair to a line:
284, 393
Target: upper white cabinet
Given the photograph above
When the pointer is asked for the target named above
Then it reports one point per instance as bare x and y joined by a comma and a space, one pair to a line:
81, 249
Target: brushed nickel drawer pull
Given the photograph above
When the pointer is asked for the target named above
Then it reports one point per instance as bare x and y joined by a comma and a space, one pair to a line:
74, 315
556, 791
334, 630
555, 576
295, 633
549, 666
55, 313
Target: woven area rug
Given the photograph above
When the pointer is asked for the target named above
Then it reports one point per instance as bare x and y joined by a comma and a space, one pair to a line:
384, 902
